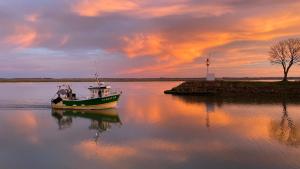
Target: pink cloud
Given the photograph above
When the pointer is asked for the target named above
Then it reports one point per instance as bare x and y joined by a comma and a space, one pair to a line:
23, 36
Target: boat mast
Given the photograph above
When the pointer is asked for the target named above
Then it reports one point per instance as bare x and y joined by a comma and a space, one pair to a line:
97, 79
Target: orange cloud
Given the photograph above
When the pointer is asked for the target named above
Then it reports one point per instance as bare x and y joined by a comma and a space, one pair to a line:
99, 7
140, 9
270, 26
142, 45
168, 52
177, 33
22, 37
182, 8
32, 17
64, 40
156, 44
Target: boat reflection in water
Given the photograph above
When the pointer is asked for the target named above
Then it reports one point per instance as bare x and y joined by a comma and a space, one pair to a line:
101, 120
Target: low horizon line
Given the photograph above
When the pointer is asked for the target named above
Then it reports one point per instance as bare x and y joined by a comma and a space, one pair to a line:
145, 79
233, 77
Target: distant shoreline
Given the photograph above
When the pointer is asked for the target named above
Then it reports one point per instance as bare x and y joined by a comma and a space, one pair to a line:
18, 80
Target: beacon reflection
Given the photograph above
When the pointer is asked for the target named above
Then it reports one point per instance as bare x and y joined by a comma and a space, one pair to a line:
210, 108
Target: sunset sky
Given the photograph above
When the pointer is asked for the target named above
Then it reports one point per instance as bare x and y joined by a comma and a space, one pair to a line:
143, 38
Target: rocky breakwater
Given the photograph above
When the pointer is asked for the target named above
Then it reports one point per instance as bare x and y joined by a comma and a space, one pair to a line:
237, 88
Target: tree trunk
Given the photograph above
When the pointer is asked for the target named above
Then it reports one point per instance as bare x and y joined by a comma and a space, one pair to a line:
285, 79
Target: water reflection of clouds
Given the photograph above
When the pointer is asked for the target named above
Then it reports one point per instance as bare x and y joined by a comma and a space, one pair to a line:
25, 125
106, 152
144, 150
176, 135
154, 109
160, 131
173, 111
250, 118
234, 127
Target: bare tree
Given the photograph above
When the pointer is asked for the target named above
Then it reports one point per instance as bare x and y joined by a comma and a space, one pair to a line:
286, 53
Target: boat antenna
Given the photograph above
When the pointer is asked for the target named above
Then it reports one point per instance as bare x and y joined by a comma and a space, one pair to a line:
97, 79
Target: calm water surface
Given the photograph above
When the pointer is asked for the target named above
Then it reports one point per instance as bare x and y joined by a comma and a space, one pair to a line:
148, 130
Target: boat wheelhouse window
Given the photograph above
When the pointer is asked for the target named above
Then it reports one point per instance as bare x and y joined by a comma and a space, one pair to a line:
101, 91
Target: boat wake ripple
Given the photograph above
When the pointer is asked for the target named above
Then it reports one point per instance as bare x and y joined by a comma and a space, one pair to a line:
25, 106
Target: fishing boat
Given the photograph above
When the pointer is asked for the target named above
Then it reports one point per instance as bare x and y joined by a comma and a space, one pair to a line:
101, 97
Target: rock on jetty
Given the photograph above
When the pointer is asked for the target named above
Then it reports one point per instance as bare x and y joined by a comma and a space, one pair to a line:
237, 88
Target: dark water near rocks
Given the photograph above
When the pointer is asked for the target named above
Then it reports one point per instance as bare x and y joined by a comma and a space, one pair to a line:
147, 130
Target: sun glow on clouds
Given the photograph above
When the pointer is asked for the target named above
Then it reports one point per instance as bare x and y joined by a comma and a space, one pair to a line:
32, 18
268, 27
64, 40
176, 53
23, 37
142, 45
169, 53
181, 9
146, 9
99, 7
158, 38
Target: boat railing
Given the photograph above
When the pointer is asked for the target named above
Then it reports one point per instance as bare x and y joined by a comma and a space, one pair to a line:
115, 92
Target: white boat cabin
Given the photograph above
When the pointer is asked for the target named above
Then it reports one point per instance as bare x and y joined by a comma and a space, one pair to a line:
100, 91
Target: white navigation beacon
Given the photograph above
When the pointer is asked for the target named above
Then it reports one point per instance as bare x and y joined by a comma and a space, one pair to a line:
209, 76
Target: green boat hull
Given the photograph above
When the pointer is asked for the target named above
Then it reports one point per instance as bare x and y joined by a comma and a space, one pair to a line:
92, 104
